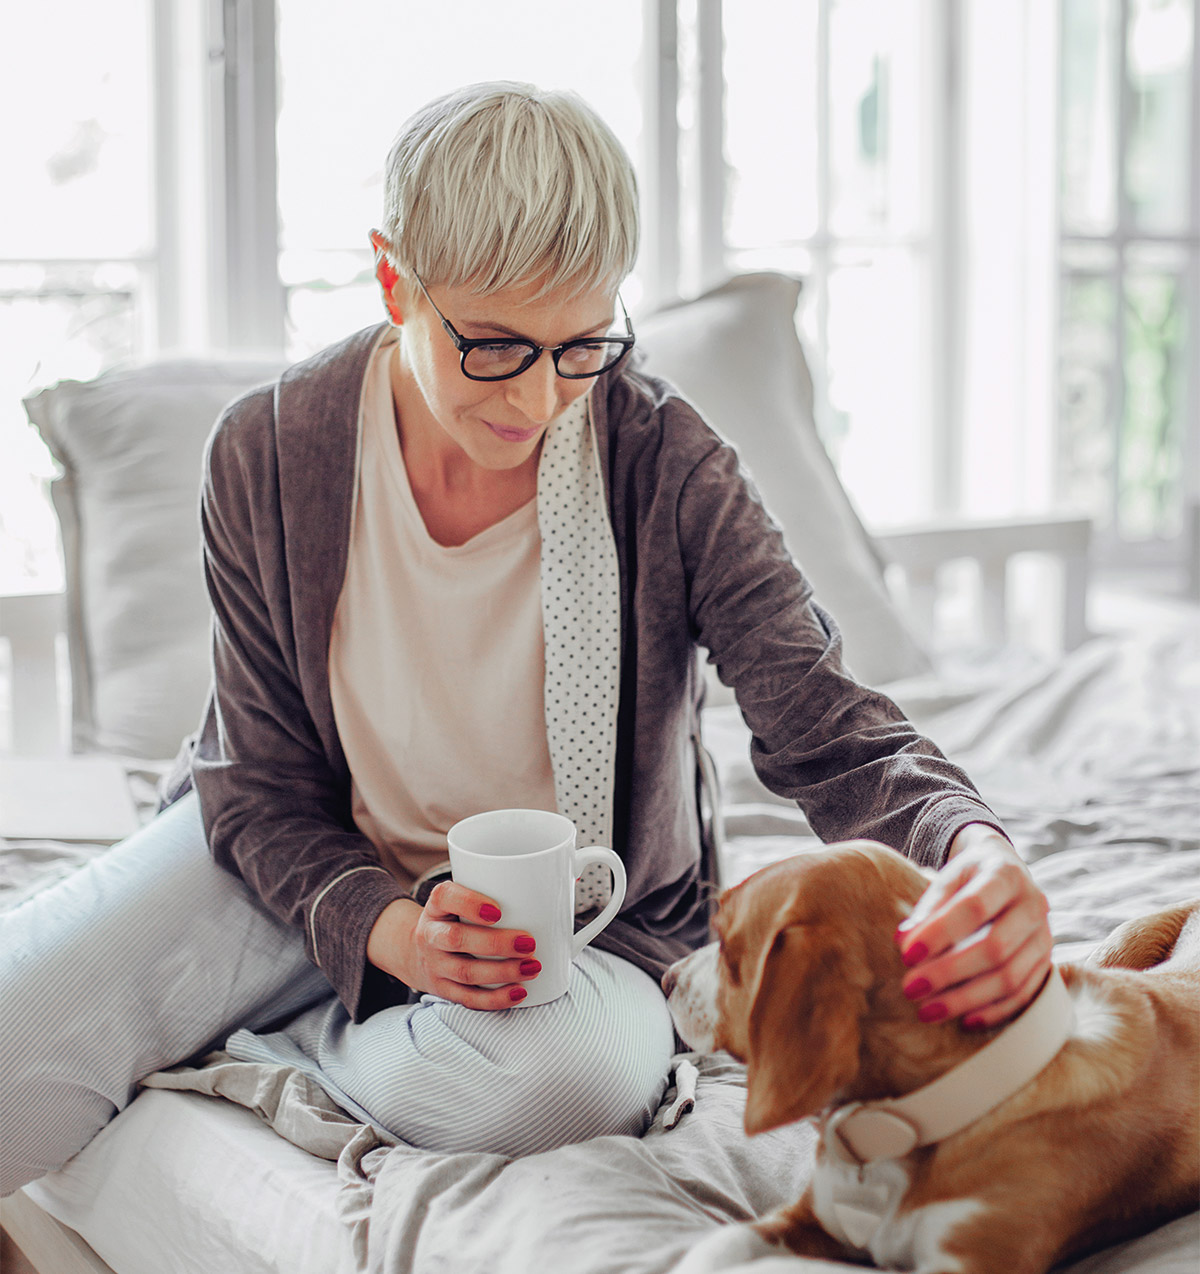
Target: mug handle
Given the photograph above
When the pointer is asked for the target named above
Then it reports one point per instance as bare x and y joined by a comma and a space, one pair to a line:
583, 858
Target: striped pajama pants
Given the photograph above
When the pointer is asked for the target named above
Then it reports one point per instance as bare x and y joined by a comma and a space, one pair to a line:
151, 953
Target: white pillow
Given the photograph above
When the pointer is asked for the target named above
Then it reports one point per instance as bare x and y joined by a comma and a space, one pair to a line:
131, 445
735, 355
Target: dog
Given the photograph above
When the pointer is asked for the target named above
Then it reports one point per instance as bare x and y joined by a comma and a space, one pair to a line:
1099, 1141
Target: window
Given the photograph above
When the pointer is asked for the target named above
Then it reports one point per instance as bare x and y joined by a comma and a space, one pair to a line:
350, 76
1001, 312
995, 209
828, 138
78, 251
1130, 269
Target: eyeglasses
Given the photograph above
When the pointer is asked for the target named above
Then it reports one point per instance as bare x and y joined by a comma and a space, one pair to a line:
491, 359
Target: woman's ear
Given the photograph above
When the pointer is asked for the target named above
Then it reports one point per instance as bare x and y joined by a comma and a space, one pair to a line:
385, 272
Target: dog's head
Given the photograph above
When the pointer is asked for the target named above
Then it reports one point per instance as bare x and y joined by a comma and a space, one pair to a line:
803, 956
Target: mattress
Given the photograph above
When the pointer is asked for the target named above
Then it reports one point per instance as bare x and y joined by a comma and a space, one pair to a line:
183, 1182
1092, 761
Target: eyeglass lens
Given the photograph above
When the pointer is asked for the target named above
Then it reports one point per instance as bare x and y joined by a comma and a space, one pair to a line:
503, 358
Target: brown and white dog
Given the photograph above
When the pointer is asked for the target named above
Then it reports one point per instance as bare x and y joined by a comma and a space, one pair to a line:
1100, 1140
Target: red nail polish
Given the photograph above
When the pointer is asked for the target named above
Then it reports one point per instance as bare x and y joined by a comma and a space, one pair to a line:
524, 944
489, 913
516, 993
529, 968
932, 1012
974, 1022
915, 954
918, 988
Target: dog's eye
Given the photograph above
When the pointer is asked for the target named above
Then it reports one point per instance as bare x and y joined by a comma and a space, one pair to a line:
732, 970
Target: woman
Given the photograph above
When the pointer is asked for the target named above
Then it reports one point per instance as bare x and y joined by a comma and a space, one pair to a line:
463, 561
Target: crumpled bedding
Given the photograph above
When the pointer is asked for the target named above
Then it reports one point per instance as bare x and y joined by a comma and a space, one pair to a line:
1091, 762
1094, 765
613, 1203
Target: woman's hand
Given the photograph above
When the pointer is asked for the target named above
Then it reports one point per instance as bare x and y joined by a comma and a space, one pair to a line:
978, 941
451, 946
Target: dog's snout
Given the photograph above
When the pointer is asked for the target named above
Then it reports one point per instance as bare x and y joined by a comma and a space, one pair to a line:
690, 986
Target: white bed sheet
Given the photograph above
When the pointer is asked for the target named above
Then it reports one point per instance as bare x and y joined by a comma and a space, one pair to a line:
180, 1182
1093, 762
185, 1183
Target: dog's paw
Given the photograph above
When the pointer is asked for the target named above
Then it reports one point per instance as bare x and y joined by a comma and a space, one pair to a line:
740, 1249
723, 1248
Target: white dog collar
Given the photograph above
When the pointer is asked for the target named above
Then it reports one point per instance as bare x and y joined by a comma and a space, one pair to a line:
892, 1128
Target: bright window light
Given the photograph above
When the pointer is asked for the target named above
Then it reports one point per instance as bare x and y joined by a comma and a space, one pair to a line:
76, 246
351, 75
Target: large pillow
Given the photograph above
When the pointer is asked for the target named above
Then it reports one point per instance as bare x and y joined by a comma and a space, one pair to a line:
735, 355
130, 444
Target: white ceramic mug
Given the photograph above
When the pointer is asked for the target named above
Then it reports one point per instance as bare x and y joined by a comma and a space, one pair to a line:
527, 861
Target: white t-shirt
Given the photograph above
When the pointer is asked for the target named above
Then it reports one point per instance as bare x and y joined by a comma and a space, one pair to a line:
437, 659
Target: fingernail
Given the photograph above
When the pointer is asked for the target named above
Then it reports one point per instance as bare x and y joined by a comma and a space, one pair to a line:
516, 993
489, 913
530, 967
918, 988
524, 944
915, 954
974, 1022
932, 1012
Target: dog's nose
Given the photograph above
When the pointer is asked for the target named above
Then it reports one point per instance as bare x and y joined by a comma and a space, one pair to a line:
668, 981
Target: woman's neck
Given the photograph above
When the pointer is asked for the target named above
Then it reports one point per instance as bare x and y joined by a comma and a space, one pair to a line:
456, 497
457, 511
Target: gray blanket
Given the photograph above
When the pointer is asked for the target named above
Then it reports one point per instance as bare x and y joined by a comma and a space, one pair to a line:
614, 1203
1093, 762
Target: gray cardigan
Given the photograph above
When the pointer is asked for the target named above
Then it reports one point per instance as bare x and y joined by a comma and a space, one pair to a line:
701, 563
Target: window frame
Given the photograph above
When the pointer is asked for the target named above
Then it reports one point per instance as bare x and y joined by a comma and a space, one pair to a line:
212, 282
933, 248
1120, 244
248, 298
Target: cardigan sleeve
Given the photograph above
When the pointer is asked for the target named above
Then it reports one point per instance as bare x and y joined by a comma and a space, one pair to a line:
843, 752
274, 809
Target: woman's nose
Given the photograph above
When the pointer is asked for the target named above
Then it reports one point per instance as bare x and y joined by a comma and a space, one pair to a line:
535, 392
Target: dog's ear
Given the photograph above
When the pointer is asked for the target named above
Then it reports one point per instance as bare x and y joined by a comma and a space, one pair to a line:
804, 1027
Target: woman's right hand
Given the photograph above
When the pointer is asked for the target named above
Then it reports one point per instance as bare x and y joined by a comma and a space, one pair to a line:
451, 946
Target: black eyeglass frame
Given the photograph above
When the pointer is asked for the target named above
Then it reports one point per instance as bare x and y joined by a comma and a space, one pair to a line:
465, 344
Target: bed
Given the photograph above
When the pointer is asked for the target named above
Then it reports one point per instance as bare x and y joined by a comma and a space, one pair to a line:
1090, 751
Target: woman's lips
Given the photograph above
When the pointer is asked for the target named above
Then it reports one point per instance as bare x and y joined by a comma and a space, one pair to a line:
513, 435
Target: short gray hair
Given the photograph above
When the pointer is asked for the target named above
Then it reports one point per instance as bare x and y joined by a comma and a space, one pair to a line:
503, 184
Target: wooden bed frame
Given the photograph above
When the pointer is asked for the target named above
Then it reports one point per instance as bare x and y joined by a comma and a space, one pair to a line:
32, 625
48, 1245
920, 554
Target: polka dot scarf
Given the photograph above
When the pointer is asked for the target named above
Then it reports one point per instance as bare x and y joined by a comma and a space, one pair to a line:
581, 618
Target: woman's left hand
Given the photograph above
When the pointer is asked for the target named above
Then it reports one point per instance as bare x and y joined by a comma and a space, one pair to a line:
978, 941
